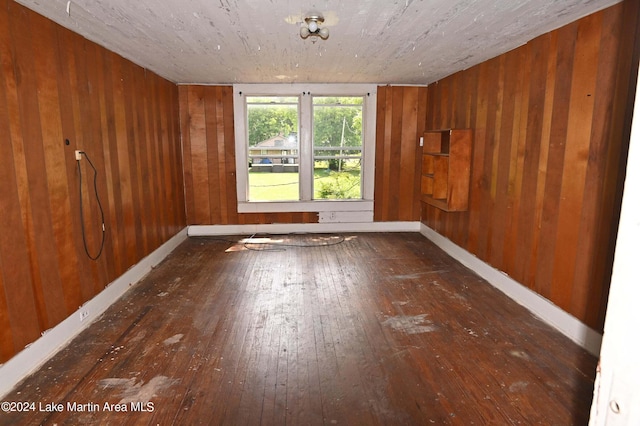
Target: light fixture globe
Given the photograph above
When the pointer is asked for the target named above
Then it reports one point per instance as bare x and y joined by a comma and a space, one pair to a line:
312, 27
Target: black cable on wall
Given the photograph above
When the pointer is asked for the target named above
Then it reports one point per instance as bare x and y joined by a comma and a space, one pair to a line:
79, 155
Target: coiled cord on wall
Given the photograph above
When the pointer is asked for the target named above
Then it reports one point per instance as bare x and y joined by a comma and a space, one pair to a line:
95, 188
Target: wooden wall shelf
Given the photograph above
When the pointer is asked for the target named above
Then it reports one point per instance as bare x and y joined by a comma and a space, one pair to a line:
446, 166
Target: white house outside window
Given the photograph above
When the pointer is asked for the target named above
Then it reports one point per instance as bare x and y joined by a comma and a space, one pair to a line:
305, 148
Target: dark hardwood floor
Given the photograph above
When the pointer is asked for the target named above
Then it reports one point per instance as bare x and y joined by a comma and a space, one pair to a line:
352, 329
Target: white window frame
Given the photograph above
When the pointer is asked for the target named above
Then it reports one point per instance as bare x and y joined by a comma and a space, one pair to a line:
305, 93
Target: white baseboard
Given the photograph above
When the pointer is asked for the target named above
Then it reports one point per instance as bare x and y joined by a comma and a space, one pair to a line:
38, 352
287, 228
567, 324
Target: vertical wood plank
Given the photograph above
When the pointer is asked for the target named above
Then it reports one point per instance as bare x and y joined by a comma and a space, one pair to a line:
388, 154
493, 107
133, 144
169, 117
503, 157
90, 79
470, 94
138, 165
420, 127
145, 167
477, 188
116, 208
162, 151
394, 151
216, 195
123, 143
516, 169
223, 141
79, 82
187, 156
550, 161
408, 162
228, 133
382, 127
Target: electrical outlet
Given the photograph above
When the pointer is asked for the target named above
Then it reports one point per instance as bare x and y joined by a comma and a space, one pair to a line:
78, 155
83, 314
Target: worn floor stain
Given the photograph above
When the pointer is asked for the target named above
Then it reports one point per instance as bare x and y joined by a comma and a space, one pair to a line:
519, 354
132, 391
173, 339
411, 324
518, 386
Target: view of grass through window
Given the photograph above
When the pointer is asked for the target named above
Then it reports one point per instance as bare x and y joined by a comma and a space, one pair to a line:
274, 148
337, 147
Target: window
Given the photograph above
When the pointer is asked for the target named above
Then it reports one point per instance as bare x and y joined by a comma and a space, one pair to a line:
305, 148
337, 147
272, 146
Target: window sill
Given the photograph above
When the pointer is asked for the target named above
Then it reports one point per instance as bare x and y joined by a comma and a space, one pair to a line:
305, 206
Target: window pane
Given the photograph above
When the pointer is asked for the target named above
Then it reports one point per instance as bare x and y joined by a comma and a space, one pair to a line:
272, 124
337, 147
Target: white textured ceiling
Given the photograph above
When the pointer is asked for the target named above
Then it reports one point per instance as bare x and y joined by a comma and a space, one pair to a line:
258, 41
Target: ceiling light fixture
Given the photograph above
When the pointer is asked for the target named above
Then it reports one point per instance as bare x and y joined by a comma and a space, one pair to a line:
312, 27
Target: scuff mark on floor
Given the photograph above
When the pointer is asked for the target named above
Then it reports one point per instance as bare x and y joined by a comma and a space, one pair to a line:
173, 339
407, 276
471, 332
132, 391
518, 386
141, 334
411, 324
418, 275
519, 354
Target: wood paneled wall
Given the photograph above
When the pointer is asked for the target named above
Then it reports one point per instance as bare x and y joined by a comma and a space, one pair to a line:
208, 139
545, 161
56, 85
401, 114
